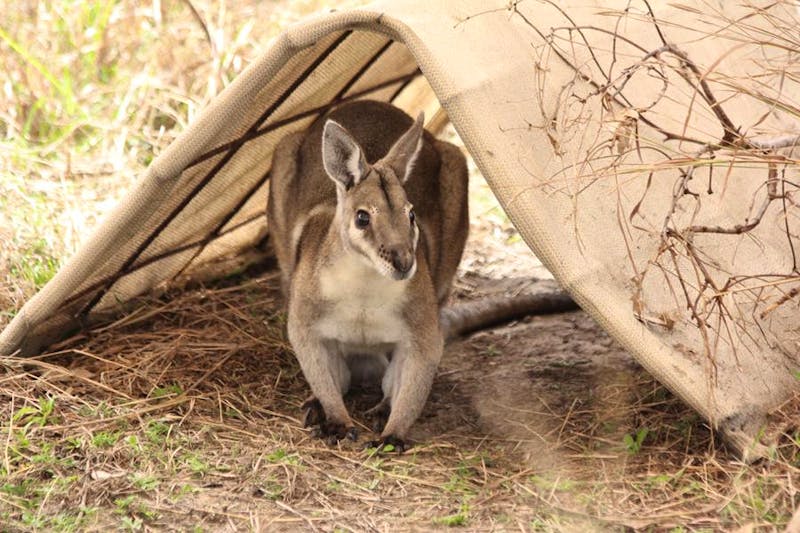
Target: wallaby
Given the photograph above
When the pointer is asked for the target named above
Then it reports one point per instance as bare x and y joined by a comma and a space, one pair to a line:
368, 217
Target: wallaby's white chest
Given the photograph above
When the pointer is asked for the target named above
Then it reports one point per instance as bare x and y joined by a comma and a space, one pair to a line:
363, 308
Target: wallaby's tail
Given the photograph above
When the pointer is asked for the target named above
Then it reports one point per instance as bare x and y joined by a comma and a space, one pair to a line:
467, 317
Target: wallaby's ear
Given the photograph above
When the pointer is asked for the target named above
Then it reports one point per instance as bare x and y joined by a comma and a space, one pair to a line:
403, 154
342, 157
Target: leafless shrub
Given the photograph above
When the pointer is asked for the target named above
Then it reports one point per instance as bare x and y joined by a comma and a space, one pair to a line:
714, 200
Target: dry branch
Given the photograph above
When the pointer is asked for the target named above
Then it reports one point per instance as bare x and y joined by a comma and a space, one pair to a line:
725, 305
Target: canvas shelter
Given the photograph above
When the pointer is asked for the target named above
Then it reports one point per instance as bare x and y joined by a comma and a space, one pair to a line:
645, 152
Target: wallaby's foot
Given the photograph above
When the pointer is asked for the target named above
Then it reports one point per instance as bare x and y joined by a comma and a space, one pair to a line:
333, 432
315, 415
397, 443
379, 415
330, 432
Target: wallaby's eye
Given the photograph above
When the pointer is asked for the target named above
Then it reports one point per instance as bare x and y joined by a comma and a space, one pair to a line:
411, 216
362, 219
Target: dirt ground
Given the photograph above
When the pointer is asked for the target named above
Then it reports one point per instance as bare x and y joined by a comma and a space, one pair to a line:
185, 415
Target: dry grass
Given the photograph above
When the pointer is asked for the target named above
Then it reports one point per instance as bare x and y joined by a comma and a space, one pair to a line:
184, 415
91, 91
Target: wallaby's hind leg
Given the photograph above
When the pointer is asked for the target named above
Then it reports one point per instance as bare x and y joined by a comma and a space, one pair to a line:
453, 182
314, 414
380, 414
339, 369
325, 378
280, 221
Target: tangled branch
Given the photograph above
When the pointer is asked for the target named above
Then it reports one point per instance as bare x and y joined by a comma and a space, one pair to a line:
726, 302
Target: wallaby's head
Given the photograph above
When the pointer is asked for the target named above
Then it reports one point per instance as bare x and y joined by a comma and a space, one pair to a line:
376, 220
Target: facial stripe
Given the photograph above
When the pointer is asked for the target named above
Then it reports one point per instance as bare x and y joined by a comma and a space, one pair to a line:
384, 188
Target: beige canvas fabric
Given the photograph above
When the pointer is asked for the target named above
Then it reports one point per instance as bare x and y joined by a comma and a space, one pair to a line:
622, 144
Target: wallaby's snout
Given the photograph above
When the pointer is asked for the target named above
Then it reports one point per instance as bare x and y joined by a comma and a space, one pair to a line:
402, 261
401, 258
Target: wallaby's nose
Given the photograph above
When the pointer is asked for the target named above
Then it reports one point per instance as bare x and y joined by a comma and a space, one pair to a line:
402, 261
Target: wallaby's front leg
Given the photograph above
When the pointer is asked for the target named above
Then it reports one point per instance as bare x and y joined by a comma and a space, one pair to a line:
407, 384
316, 362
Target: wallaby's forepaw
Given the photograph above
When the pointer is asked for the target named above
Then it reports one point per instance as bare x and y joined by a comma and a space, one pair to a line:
330, 432
379, 415
333, 432
394, 443
315, 415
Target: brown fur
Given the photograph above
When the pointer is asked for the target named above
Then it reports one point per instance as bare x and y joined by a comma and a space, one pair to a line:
355, 311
